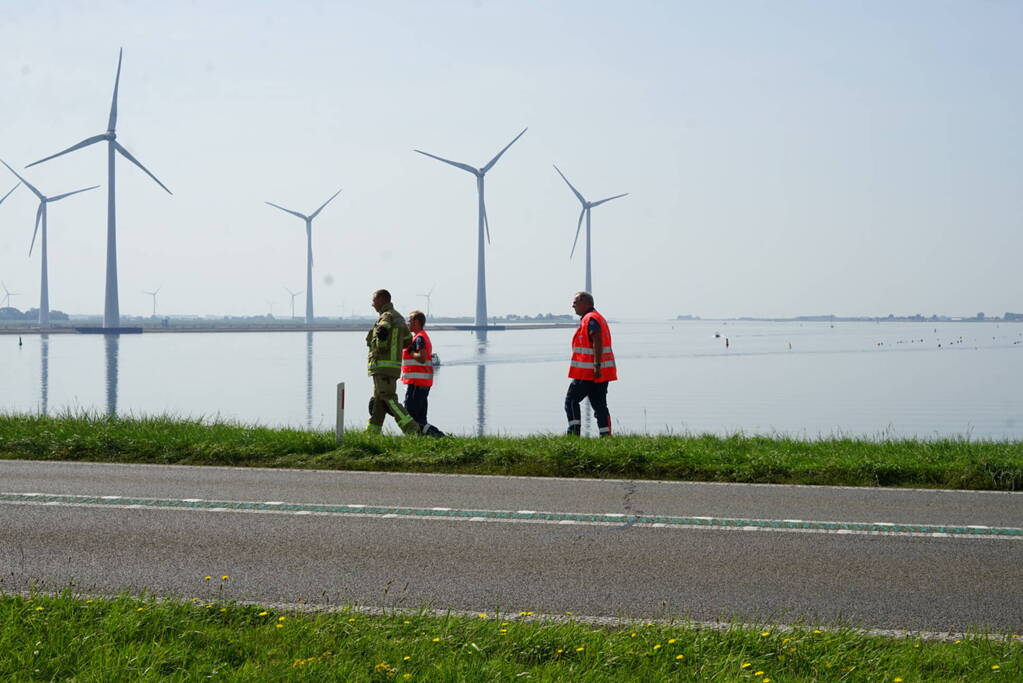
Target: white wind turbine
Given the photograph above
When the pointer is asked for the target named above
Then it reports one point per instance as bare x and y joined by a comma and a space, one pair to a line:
153, 294
7, 294
427, 297
585, 212
44, 280
111, 309
293, 295
484, 224
309, 253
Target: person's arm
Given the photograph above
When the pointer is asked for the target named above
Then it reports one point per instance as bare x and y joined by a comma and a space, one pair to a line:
598, 350
418, 350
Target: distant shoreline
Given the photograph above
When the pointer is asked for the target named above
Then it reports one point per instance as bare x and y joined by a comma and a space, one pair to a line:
360, 326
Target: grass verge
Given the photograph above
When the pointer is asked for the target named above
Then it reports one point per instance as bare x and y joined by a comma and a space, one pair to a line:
64, 638
949, 464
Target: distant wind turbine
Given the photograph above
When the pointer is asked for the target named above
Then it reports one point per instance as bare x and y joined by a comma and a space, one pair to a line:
427, 297
7, 294
293, 295
111, 309
585, 212
153, 294
44, 280
484, 224
309, 253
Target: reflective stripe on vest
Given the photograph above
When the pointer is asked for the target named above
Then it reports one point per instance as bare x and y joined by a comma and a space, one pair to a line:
582, 365
419, 373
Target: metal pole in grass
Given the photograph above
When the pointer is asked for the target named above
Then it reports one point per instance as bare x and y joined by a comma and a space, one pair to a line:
339, 430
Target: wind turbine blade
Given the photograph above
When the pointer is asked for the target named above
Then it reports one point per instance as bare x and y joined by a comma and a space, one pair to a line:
494, 160
317, 212
574, 191
293, 213
112, 124
127, 155
29, 185
431, 289
9, 193
84, 143
486, 221
577, 229
39, 218
68, 194
456, 164
607, 200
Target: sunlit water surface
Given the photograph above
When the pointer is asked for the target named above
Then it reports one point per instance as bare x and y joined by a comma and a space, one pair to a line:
800, 379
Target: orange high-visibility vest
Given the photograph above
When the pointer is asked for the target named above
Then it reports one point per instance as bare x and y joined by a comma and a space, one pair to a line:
414, 371
582, 352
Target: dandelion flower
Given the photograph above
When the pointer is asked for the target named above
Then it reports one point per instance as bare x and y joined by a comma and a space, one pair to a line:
206, 578
39, 609
436, 640
279, 625
560, 650
502, 630
995, 667
766, 680
745, 666
351, 620
580, 649
672, 641
657, 646
405, 658
817, 630
263, 614
406, 622
525, 614
758, 673
765, 633
898, 679
632, 635
481, 615
140, 609
223, 609
88, 601
680, 656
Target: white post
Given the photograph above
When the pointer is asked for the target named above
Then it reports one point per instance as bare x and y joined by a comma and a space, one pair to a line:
339, 431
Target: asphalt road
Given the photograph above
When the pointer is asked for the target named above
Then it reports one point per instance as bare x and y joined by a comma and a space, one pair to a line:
949, 561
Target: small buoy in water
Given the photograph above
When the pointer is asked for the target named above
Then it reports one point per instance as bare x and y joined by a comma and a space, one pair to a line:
19, 341
726, 342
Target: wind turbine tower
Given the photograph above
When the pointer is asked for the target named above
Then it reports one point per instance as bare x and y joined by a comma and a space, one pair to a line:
309, 254
484, 225
111, 308
293, 295
153, 294
585, 212
427, 297
44, 280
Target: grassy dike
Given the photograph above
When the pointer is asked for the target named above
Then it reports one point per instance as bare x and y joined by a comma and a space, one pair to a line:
64, 638
949, 464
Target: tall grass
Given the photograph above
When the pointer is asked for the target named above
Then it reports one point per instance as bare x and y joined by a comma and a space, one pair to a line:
951, 464
64, 638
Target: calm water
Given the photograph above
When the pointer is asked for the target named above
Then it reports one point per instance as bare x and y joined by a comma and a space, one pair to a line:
810, 379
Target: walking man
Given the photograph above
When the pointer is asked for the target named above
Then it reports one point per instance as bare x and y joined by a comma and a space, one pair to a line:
417, 372
592, 366
386, 341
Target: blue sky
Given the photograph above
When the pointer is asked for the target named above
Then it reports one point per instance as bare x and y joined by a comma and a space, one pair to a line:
783, 158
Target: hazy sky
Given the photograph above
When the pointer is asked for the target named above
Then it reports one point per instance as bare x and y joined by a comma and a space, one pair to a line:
783, 158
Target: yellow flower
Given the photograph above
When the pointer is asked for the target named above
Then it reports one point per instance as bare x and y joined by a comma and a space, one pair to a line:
39, 609
382, 666
281, 618
406, 622
680, 656
88, 601
263, 614
958, 641
481, 615
758, 673
898, 679
786, 640
671, 641
817, 630
206, 578
995, 667
525, 614
633, 634
225, 577
657, 646
223, 609
502, 630
405, 658
279, 625
745, 666
436, 640
580, 649
352, 619
765, 633
140, 609
560, 650
767, 680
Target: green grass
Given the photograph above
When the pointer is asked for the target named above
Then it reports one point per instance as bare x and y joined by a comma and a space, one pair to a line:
64, 638
950, 464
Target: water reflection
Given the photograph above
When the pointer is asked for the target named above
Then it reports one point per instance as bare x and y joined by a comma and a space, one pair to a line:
308, 380
111, 342
481, 388
44, 374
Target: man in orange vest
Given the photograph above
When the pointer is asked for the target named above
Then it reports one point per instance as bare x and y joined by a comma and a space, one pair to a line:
592, 366
417, 372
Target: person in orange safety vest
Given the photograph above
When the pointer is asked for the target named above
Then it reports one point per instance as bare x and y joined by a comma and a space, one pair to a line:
417, 372
591, 368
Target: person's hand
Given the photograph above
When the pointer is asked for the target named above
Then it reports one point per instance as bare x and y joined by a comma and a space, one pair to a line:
596, 371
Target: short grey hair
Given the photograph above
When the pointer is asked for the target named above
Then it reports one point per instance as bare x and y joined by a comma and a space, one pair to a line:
585, 296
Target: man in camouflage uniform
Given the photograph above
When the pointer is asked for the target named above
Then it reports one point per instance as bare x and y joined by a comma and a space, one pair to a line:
386, 340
